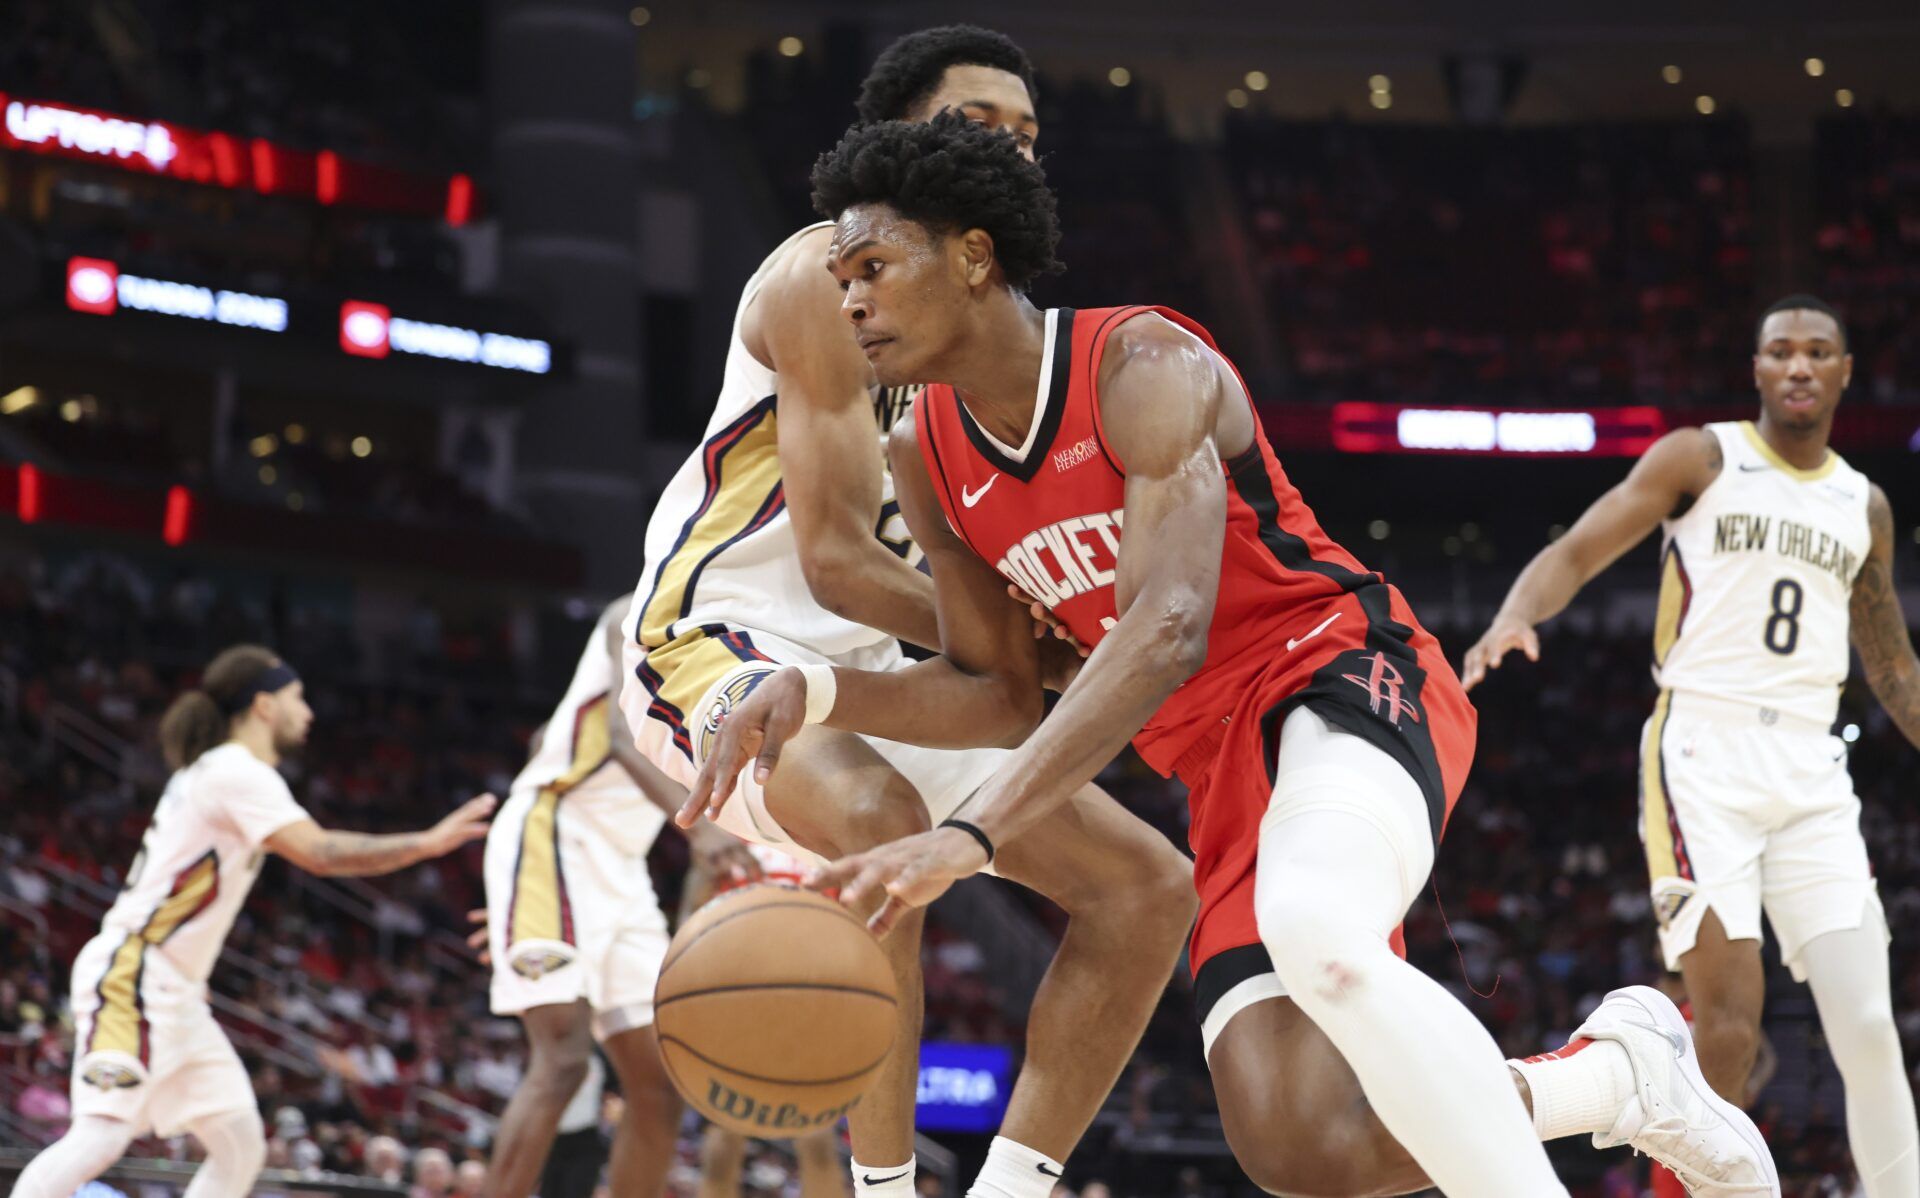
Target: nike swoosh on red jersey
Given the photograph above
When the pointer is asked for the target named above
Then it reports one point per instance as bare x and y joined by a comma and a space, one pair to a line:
970, 498
1292, 641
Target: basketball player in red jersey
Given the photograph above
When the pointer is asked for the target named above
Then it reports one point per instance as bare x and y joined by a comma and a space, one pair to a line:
1318, 727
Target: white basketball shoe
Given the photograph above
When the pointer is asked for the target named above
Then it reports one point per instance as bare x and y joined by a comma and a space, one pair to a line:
1674, 1116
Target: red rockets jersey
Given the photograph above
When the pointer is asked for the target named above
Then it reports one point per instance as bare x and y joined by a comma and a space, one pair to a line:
1050, 517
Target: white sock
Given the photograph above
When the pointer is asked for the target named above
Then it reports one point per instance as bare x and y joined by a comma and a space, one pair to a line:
1579, 1089
1013, 1170
883, 1181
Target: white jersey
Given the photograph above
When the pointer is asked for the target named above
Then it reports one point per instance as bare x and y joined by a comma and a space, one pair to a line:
720, 546
575, 760
197, 862
1756, 580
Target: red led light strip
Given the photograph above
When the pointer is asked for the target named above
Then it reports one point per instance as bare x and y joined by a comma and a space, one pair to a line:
224, 160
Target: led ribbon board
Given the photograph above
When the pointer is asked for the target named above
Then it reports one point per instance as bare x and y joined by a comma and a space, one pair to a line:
1495, 432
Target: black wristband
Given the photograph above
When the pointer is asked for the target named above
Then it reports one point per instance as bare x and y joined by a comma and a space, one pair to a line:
972, 831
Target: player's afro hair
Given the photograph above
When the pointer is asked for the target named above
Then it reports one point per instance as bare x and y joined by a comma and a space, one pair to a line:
948, 174
906, 72
1799, 302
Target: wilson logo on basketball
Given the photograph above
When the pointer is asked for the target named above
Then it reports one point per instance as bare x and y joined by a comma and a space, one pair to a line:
746, 1109
1382, 684
1077, 454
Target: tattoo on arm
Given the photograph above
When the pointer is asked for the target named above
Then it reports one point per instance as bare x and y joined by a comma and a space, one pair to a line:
1880, 627
357, 854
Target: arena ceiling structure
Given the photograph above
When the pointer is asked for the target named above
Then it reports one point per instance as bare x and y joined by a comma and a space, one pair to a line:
1778, 64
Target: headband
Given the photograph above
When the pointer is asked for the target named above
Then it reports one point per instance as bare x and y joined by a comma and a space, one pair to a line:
264, 683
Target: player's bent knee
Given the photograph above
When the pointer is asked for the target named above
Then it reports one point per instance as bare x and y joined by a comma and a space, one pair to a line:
559, 1064
1864, 1028
1316, 953
236, 1144
881, 818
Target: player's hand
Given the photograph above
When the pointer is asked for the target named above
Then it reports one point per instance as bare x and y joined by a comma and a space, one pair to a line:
477, 939
725, 857
1045, 623
1060, 663
1506, 634
909, 873
466, 824
759, 727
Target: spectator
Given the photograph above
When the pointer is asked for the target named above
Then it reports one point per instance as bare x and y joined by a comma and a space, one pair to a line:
386, 1160
470, 1179
432, 1174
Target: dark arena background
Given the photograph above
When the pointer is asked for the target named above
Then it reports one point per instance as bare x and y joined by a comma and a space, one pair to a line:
373, 331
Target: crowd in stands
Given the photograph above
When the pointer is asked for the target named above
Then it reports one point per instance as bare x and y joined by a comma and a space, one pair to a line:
1602, 263
1866, 181
1598, 263
364, 1021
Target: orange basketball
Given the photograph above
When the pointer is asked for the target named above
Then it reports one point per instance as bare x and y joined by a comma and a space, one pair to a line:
775, 1009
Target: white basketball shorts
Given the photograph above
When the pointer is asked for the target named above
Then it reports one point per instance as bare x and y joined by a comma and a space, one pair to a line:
1746, 808
569, 916
146, 1048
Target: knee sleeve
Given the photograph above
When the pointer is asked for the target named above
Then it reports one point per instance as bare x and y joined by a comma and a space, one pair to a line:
89, 1148
1330, 886
236, 1147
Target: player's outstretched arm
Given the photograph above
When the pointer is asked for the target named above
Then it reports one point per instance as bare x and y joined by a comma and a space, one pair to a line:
830, 459
362, 854
1880, 628
1678, 468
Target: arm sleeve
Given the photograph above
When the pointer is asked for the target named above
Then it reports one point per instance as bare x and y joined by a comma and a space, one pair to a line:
257, 800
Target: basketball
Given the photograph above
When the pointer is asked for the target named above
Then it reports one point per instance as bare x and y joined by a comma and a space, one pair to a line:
775, 1010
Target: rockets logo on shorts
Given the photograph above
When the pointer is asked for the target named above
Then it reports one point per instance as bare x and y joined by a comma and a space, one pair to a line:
1382, 683
728, 697
110, 1075
537, 960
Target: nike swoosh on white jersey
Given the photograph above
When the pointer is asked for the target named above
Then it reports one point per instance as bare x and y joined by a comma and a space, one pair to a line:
1292, 641
972, 497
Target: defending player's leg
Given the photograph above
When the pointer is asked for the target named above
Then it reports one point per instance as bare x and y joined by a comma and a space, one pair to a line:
560, 1038
236, 1147
1128, 894
835, 795
643, 1145
723, 1155
90, 1147
1849, 975
821, 1174
1728, 986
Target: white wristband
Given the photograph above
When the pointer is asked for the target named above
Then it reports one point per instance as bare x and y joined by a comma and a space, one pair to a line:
822, 690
